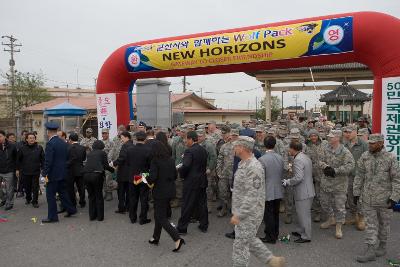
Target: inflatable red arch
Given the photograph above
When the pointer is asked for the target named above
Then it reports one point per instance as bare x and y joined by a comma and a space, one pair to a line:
369, 38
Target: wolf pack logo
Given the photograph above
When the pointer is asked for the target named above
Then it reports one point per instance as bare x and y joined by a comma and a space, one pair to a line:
308, 28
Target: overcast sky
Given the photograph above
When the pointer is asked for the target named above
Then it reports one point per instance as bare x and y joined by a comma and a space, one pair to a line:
69, 40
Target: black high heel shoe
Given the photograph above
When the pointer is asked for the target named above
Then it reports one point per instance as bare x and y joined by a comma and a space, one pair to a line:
153, 242
181, 242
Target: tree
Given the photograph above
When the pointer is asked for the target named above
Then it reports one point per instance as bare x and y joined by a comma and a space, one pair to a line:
275, 108
28, 90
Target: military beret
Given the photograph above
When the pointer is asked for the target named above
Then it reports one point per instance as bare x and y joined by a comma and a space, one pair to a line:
245, 141
51, 125
373, 138
335, 133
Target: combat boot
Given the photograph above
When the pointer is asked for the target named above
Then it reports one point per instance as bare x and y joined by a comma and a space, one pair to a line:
369, 255
276, 262
223, 211
339, 233
360, 223
352, 219
317, 217
108, 196
328, 223
381, 250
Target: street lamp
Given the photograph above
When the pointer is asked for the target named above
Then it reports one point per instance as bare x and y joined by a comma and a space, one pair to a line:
282, 104
305, 108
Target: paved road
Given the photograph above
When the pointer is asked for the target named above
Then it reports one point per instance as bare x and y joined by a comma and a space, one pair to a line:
116, 242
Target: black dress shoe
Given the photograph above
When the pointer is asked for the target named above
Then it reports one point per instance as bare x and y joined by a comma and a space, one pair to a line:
230, 235
61, 211
296, 234
181, 232
267, 240
145, 221
133, 221
153, 241
203, 230
27, 202
181, 242
301, 240
49, 221
69, 214
9, 207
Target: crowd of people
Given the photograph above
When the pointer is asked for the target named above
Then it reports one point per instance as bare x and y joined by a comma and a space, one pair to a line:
335, 174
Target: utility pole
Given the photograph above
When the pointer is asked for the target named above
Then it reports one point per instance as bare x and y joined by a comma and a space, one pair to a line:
12, 49
184, 84
296, 97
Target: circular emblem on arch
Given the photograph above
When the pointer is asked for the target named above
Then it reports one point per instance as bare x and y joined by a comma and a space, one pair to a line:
333, 35
134, 59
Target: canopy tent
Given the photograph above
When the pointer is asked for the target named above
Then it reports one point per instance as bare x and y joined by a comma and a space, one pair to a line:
65, 109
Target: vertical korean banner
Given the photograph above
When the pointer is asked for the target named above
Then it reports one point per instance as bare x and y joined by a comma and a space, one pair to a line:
390, 123
107, 113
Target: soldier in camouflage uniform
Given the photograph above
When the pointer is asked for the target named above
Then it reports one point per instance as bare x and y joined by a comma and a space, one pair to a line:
224, 170
211, 163
88, 141
314, 149
178, 149
259, 141
377, 189
248, 201
357, 147
336, 163
214, 135
225, 133
108, 184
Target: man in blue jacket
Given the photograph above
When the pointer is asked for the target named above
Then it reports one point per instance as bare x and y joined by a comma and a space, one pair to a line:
55, 171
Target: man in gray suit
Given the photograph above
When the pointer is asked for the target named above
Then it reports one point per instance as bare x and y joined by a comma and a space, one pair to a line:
303, 190
272, 163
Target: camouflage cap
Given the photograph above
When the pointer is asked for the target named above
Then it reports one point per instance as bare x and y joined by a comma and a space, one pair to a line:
373, 138
335, 133
225, 129
200, 132
89, 130
282, 132
105, 130
191, 126
349, 128
259, 128
245, 141
312, 131
201, 126
363, 131
271, 131
234, 131
132, 123
212, 122
294, 133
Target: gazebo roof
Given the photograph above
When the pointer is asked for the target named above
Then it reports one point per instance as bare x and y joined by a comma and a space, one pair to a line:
65, 109
345, 92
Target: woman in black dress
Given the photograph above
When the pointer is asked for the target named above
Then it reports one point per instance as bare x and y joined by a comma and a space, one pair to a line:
163, 175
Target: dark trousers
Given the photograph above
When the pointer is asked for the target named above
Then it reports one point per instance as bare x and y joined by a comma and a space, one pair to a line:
80, 185
31, 183
193, 199
161, 207
271, 219
136, 192
94, 185
123, 196
20, 183
52, 188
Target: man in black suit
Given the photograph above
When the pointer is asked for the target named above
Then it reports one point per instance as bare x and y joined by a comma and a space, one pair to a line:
76, 157
139, 157
193, 172
55, 171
